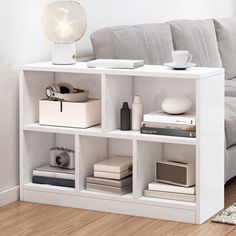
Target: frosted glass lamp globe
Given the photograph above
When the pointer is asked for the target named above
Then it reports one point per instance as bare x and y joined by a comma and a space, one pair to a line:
64, 23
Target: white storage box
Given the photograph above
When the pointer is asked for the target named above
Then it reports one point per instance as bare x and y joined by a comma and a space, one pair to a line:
70, 114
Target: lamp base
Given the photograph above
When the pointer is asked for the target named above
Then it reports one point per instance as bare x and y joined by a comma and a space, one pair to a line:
64, 54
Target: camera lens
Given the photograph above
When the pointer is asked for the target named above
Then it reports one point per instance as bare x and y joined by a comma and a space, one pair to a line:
63, 159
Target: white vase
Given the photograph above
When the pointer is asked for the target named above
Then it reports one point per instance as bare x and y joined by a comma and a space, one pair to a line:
137, 113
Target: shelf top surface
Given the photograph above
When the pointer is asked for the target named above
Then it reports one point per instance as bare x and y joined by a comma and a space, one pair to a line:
147, 70
98, 132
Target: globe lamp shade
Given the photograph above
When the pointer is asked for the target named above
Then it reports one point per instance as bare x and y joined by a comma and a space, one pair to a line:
64, 23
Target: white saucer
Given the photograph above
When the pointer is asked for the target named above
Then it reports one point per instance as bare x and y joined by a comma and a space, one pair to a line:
178, 66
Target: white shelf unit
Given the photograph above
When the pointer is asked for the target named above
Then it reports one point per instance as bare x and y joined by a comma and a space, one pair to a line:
205, 87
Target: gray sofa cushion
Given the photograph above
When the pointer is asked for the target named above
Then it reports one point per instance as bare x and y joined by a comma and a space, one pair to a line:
226, 36
150, 42
230, 88
230, 121
199, 38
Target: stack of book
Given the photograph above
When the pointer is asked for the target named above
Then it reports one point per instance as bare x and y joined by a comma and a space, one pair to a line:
172, 192
113, 176
54, 176
161, 123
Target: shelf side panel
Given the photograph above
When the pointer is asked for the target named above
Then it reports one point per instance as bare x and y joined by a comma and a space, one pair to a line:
91, 151
33, 85
147, 154
210, 147
35, 153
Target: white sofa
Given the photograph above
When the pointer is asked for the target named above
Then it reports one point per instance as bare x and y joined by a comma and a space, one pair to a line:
212, 43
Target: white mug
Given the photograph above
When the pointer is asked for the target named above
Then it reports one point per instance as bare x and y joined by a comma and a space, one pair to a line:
181, 57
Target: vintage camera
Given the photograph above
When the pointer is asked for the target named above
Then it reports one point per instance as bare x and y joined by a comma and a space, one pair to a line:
62, 157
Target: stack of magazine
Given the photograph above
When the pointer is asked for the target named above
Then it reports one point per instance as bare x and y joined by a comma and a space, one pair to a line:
169, 191
54, 176
113, 176
161, 123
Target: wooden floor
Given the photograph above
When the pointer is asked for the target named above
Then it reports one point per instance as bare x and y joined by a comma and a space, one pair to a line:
28, 219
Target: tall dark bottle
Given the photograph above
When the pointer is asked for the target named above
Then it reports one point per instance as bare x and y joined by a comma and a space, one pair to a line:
125, 117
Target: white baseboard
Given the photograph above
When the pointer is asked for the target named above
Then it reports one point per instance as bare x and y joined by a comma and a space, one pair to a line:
9, 195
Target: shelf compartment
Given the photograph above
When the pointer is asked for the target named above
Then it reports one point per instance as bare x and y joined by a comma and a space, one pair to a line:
150, 152
37, 152
95, 149
34, 83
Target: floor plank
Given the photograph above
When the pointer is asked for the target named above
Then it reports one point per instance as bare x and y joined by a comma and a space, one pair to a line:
29, 219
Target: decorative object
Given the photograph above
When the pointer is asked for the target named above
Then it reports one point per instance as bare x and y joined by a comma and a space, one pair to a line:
137, 113
125, 117
181, 57
64, 23
181, 60
70, 114
115, 63
66, 92
228, 216
179, 67
175, 172
62, 157
176, 105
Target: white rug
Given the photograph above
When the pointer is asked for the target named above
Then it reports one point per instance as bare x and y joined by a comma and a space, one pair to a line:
228, 216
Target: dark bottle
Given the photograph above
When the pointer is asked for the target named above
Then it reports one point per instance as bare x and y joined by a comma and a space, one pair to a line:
125, 112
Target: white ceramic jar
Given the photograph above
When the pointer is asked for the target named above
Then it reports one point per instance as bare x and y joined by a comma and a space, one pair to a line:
137, 113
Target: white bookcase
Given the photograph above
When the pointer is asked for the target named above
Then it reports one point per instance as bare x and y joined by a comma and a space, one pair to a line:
205, 87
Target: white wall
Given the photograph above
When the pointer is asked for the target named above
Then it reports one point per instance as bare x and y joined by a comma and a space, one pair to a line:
103, 13
21, 41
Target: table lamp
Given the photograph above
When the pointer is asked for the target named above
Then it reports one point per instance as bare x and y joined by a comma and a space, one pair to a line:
64, 23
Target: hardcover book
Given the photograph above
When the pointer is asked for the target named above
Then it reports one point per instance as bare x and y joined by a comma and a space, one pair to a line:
168, 132
112, 175
110, 182
168, 126
171, 196
162, 117
109, 189
53, 181
116, 164
156, 186
54, 172
115, 63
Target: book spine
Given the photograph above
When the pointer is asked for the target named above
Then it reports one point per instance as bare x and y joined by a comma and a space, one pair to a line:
112, 169
53, 175
171, 196
168, 132
109, 175
53, 181
168, 126
171, 189
170, 119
